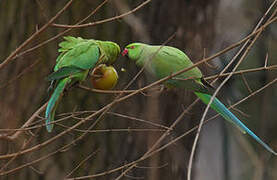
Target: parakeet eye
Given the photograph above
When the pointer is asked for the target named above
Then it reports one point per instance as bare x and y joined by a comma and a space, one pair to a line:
132, 47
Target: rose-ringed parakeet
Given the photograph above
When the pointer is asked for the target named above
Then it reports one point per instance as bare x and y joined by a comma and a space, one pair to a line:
162, 61
77, 57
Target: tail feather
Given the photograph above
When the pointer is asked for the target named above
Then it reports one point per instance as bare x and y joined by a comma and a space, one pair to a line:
229, 116
53, 103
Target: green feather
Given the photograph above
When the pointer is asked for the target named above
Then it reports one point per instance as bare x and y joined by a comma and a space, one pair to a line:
64, 72
70, 42
53, 103
84, 56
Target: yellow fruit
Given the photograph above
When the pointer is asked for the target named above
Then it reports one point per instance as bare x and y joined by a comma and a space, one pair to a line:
104, 77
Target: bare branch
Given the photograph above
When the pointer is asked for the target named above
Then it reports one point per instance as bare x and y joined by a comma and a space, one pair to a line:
31, 38
105, 20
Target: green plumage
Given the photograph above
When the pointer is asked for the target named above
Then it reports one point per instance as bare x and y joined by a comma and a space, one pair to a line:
162, 61
77, 57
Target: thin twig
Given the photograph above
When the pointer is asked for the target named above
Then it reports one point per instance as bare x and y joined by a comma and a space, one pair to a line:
105, 91
104, 20
246, 83
31, 38
81, 163
26, 70
60, 34
273, 67
26, 124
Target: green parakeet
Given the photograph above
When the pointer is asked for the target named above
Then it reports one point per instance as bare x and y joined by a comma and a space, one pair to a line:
77, 57
164, 61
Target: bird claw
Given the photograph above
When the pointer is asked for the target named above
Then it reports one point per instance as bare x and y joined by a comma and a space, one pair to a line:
95, 72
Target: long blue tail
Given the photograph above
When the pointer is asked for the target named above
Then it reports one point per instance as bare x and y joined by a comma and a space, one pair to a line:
53, 103
229, 116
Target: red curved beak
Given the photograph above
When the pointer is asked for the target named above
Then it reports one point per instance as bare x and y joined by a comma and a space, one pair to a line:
124, 52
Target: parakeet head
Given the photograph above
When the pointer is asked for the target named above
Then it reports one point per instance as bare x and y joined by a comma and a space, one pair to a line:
110, 49
133, 51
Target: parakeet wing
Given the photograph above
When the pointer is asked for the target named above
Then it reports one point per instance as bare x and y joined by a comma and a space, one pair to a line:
63, 72
169, 60
84, 56
70, 42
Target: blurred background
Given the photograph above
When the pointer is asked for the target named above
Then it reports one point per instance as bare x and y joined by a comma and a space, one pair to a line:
201, 28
